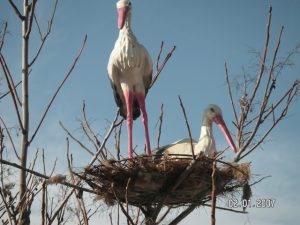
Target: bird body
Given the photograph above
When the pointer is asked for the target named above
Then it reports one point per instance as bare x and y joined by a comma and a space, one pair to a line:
130, 72
206, 143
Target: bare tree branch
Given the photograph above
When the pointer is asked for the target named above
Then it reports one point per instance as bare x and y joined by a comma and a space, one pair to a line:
43, 37
230, 94
161, 67
5, 162
11, 89
15, 8
32, 7
213, 193
160, 124
3, 35
183, 214
80, 202
75, 139
10, 138
58, 89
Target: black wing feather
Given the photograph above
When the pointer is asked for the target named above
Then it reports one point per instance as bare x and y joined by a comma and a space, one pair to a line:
122, 106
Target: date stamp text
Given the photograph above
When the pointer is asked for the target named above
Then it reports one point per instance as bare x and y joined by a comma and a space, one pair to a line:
258, 203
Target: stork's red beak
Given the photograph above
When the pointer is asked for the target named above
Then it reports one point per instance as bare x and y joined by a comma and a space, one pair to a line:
122, 13
220, 122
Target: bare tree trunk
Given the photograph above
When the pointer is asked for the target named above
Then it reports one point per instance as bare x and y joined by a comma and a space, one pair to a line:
24, 216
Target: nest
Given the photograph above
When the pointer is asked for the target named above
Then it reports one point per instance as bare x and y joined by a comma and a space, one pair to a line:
166, 180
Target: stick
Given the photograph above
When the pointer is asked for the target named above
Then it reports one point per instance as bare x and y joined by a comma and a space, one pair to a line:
16, 10
183, 214
126, 197
162, 65
43, 37
214, 193
58, 89
45, 177
160, 124
188, 127
10, 138
230, 93
11, 89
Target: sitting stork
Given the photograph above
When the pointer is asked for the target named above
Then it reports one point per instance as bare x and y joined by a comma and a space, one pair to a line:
130, 72
206, 143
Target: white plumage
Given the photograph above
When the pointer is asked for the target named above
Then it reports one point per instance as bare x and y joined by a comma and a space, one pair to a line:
130, 72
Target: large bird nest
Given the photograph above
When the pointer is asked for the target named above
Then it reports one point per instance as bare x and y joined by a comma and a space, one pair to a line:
167, 180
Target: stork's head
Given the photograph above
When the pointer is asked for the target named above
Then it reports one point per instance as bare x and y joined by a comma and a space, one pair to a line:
213, 113
124, 8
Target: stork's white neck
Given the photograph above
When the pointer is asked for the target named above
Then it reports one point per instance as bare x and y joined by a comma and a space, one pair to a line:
206, 131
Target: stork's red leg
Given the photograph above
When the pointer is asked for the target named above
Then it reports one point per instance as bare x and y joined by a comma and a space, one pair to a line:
141, 100
129, 100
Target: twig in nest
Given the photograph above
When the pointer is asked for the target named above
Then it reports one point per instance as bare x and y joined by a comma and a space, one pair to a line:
213, 193
188, 126
160, 124
118, 139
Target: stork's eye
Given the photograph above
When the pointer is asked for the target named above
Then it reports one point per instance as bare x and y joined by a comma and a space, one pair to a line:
212, 109
129, 4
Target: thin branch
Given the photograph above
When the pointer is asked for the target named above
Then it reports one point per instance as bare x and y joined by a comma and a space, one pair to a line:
10, 138
162, 65
126, 197
245, 112
118, 139
29, 28
122, 208
43, 37
3, 36
8, 92
160, 124
268, 89
159, 54
263, 60
15, 8
5, 162
283, 114
60, 208
80, 202
75, 139
290, 94
260, 180
98, 143
113, 124
9, 213
58, 89
188, 126
226, 209
183, 214
38, 27
230, 94
266, 96
164, 215
214, 193
11, 88
10, 80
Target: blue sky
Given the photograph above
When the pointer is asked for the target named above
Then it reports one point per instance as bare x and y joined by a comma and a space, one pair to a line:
206, 34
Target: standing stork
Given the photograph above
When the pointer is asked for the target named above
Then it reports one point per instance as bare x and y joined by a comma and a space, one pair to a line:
206, 143
130, 72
